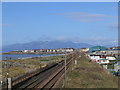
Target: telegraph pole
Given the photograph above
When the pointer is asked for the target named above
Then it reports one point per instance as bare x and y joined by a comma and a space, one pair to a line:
65, 69
65, 66
72, 60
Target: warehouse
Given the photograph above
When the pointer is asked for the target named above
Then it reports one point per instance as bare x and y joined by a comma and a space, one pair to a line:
97, 48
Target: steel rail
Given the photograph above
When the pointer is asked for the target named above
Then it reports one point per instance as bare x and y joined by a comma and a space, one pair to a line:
52, 78
42, 77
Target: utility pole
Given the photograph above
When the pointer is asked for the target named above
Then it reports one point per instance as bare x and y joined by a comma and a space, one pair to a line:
40, 63
65, 70
72, 60
65, 66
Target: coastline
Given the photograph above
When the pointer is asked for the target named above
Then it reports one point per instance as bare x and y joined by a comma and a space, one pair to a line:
26, 56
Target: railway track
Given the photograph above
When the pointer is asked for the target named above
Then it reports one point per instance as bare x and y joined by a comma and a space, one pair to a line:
33, 77
49, 78
42, 77
51, 82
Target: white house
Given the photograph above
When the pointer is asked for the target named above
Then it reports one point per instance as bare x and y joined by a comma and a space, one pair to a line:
84, 49
103, 61
69, 49
110, 58
117, 66
25, 51
32, 51
65, 50
54, 50
94, 58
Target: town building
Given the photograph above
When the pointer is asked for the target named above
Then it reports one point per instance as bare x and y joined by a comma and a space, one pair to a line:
84, 49
26, 51
97, 48
103, 61
117, 66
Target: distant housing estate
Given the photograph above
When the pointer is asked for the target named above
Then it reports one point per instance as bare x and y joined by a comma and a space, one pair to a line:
59, 50
101, 50
103, 55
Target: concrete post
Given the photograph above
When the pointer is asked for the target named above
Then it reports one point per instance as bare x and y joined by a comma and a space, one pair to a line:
75, 61
9, 83
1, 85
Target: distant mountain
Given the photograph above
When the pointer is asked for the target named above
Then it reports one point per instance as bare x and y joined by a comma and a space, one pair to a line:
45, 45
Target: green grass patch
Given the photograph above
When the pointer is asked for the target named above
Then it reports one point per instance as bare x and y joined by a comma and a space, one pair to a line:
110, 66
45, 60
112, 71
113, 60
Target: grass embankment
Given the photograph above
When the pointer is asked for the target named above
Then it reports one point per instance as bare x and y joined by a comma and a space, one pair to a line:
90, 75
22, 66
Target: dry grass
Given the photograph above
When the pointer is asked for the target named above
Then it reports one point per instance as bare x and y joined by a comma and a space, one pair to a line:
22, 66
90, 75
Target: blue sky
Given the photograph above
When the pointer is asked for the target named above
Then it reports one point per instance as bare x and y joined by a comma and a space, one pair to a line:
85, 22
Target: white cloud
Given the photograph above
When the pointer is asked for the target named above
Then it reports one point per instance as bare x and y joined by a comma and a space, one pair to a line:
84, 17
92, 40
113, 26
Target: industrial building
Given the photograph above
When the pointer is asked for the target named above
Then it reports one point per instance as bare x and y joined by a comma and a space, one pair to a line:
97, 48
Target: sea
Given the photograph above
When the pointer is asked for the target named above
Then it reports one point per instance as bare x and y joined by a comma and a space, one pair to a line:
22, 56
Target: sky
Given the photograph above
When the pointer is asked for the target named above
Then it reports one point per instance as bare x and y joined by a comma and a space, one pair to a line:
60, 0
84, 22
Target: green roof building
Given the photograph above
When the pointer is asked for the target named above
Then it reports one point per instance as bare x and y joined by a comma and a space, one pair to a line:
97, 48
